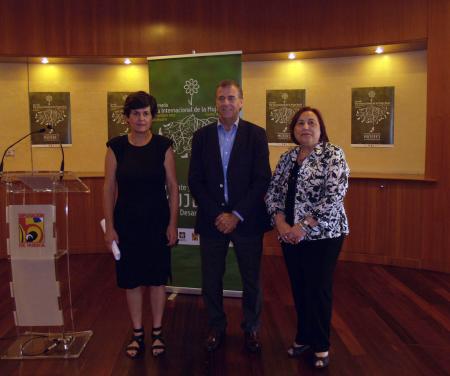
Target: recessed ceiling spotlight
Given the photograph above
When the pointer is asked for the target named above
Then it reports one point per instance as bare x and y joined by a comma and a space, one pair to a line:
379, 50
127, 61
291, 56
44, 60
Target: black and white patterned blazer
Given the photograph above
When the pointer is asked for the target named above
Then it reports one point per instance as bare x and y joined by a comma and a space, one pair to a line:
321, 186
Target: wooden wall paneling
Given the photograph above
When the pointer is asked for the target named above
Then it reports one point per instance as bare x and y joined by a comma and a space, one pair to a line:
436, 242
111, 24
187, 28
124, 27
435, 246
367, 204
11, 35
278, 26
79, 27
85, 213
3, 226
438, 91
52, 28
405, 231
143, 28
6, 27
96, 199
385, 223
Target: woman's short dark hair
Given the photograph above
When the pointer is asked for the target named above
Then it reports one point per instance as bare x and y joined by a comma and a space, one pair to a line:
140, 99
323, 131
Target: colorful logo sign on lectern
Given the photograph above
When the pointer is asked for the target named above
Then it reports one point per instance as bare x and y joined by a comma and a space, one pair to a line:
31, 230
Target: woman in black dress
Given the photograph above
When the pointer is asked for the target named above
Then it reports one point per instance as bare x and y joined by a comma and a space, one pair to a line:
139, 217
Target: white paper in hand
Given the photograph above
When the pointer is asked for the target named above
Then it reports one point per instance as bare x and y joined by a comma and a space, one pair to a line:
114, 247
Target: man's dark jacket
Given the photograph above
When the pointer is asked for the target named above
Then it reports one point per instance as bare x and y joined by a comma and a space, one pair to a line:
248, 177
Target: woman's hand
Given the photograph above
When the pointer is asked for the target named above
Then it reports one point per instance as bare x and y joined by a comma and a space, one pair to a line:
311, 221
286, 232
110, 235
172, 235
298, 234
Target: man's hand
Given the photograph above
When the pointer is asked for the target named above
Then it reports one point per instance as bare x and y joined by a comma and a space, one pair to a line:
226, 222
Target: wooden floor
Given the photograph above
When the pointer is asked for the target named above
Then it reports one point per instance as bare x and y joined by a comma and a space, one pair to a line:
387, 321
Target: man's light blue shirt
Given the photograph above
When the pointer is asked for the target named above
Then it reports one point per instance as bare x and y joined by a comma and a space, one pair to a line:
226, 141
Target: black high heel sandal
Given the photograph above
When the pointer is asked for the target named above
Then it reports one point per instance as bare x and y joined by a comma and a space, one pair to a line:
296, 350
139, 349
158, 349
321, 361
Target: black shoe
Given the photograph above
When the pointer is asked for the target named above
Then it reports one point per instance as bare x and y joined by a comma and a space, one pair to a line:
136, 347
214, 339
252, 343
158, 344
321, 361
296, 350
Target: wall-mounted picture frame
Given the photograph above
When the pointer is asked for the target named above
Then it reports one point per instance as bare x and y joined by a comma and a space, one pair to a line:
281, 106
50, 111
373, 116
117, 122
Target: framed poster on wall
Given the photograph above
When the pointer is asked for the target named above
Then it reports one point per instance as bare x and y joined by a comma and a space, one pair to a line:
50, 110
281, 106
373, 116
117, 123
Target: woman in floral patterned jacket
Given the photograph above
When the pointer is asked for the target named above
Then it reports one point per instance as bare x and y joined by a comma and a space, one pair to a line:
305, 201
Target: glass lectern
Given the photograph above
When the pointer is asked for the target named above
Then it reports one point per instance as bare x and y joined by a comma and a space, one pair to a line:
37, 205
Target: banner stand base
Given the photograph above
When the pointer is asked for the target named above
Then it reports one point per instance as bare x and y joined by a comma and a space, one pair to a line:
32, 345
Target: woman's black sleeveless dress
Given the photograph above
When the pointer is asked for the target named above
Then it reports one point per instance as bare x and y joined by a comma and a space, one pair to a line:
141, 213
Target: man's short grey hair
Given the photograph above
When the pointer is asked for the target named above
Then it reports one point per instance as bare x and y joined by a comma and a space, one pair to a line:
228, 83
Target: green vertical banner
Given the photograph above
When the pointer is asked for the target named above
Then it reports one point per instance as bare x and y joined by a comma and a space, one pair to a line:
184, 87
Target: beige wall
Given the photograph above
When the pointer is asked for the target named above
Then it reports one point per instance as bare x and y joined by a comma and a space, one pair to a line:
88, 86
14, 113
328, 84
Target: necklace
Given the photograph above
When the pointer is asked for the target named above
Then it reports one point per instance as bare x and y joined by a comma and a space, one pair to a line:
302, 155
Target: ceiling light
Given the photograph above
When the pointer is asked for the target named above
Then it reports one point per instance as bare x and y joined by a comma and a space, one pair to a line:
44, 60
127, 61
291, 56
379, 50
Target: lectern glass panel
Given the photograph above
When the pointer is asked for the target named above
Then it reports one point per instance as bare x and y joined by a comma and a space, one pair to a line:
36, 218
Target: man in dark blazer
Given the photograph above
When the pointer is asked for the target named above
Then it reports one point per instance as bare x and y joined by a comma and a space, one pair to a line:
229, 174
